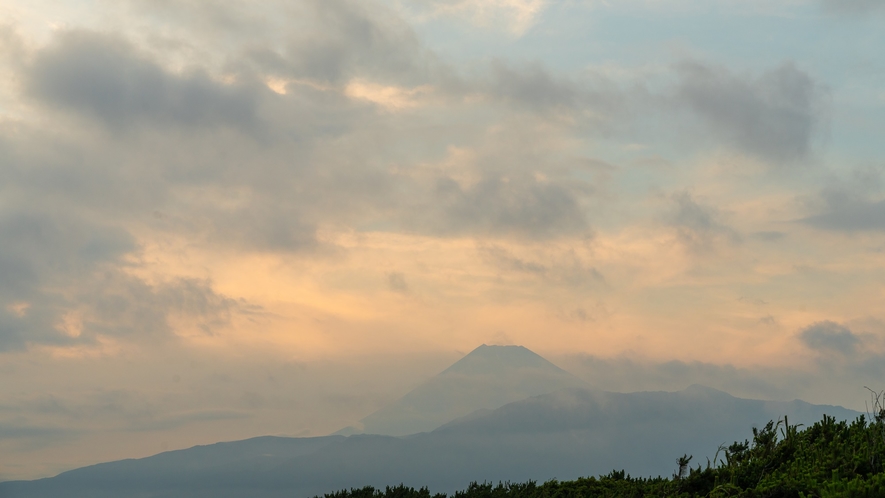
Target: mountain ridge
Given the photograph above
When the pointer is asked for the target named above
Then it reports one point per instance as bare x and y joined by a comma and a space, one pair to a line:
563, 435
562, 429
486, 378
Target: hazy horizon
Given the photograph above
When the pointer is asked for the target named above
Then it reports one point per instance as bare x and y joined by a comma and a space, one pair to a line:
228, 219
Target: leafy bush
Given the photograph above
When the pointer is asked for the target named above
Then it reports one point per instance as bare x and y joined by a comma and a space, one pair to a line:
828, 459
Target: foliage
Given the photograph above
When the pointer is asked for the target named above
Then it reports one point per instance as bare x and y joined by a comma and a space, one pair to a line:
828, 459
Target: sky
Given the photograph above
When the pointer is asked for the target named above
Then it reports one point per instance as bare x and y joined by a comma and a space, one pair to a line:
228, 219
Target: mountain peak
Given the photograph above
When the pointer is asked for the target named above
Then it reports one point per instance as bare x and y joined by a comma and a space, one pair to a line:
702, 390
486, 378
487, 359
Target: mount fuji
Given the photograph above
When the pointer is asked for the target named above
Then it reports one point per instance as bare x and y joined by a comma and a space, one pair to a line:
501, 413
487, 378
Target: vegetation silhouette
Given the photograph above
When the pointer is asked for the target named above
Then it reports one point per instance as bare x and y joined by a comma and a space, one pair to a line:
828, 459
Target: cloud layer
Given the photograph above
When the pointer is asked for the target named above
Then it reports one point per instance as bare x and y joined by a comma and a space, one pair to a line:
192, 190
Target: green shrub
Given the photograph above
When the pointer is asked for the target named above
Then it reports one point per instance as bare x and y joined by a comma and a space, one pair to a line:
827, 460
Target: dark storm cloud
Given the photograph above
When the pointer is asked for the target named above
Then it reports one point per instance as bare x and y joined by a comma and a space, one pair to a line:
827, 336
107, 78
773, 116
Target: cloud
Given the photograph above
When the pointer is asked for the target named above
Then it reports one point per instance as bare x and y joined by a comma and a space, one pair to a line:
290, 150
46, 435
624, 374
850, 204
31, 421
773, 116
65, 283
507, 205
341, 40
218, 188
397, 283
216, 185
842, 381
132, 309
176, 420
533, 86
107, 78
208, 18
39, 250
391, 98
769, 235
827, 336
24, 436
516, 16
849, 212
505, 260
590, 98
260, 226
563, 268
518, 182
699, 226
853, 7
851, 215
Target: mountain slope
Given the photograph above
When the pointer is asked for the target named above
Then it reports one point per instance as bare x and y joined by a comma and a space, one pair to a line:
566, 434
487, 378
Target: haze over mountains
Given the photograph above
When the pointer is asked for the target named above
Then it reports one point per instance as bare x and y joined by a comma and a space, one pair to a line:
487, 378
560, 430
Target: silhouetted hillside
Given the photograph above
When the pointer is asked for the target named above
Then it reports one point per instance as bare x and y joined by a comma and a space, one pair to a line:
562, 435
827, 459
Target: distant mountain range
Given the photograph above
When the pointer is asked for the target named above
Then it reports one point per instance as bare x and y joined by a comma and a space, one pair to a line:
562, 433
487, 378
